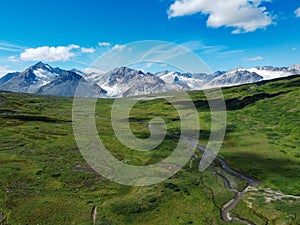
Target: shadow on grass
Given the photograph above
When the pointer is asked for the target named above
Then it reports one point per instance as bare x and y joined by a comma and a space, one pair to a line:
295, 83
283, 172
233, 103
35, 118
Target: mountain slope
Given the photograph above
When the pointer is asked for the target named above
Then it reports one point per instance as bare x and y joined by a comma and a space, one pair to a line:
269, 72
8, 77
121, 82
30, 80
66, 85
187, 81
124, 81
148, 84
233, 78
43, 171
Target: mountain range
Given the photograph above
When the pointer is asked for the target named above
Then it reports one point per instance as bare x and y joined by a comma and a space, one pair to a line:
43, 79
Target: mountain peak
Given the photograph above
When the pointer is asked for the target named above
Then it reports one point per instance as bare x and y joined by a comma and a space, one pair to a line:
124, 81
125, 70
41, 65
70, 75
77, 71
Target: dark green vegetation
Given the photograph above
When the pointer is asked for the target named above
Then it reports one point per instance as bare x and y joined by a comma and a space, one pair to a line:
45, 180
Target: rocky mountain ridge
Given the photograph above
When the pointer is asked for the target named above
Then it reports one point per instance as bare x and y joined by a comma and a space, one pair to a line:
122, 82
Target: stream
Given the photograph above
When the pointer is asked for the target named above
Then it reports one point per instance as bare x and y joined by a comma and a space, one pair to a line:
225, 211
238, 195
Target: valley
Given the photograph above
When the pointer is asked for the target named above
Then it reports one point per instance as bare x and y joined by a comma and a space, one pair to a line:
45, 179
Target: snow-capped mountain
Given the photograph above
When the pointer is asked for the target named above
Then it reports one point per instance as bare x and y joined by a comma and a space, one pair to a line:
31, 79
121, 82
66, 85
241, 76
115, 82
295, 67
45, 80
235, 77
269, 72
185, 80
124, 81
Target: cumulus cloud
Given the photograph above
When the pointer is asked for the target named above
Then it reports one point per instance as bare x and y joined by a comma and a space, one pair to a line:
243, 15
88, 50
104, 44
119, 47
49, 54
297, 12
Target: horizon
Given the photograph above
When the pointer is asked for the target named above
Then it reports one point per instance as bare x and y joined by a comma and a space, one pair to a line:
168, 69
254, 33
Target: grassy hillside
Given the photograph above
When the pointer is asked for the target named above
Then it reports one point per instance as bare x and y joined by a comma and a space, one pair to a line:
45, 180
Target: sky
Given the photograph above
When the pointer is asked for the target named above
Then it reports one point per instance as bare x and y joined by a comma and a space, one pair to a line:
225, 34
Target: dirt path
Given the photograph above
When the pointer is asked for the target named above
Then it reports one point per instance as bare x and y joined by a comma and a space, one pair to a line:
94, 214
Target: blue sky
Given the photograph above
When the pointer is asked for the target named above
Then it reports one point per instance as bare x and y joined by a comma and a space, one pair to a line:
225, 33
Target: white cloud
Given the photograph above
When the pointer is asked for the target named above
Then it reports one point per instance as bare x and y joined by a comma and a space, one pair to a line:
294, 49
13, 59
4, 70
297, 12
257, 58
74, 46
104, 44
119, 47
4, 46
88, 50
242, 15
49, 54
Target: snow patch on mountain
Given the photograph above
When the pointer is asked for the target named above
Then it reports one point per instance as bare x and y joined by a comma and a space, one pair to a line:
233, 78
295, 67
187, 81
45, 76
269, 73
121, 82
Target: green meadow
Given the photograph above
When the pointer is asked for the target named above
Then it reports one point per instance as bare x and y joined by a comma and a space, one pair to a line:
45, 180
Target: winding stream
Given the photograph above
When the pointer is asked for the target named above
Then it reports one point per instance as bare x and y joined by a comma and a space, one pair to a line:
225, 212
238, 195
